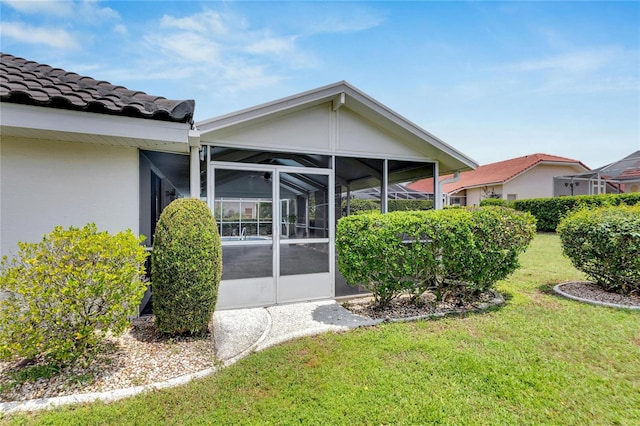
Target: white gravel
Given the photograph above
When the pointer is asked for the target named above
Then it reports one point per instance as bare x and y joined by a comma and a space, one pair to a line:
138, 357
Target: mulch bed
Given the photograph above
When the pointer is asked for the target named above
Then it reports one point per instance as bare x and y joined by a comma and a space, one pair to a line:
590, 291
403, 308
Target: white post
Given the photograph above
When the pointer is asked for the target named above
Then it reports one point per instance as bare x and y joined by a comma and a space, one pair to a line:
194, 164
384, 202
437, 195
194, 172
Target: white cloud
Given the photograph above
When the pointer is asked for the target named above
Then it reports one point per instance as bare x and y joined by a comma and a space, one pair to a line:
188, 46
85, 9
579, 61
53, 37
208, 21
346, 23
51, 7
121, 29
90, 10
271, 45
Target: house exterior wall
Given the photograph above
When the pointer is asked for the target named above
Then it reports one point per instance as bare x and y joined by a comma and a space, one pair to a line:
537, 182
48, 183
319, 129
475, 195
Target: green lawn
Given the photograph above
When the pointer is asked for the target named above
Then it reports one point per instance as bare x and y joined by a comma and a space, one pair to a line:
538, 360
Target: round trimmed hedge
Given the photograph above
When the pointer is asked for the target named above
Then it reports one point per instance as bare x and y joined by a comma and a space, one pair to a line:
604, 243
186, 265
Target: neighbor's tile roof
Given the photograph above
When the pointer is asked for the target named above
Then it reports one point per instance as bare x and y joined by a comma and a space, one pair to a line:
28, 82
494, 173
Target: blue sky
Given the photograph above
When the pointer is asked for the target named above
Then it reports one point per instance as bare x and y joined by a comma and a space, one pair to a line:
495, 80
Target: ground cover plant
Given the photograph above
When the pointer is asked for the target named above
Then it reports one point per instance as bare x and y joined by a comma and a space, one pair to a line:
539, 360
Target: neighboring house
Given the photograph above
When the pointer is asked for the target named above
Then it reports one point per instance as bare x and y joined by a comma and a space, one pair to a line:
530, 176
75, 150
620, 176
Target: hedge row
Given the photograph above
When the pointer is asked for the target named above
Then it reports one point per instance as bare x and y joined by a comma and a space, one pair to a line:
359, 205
550, 211
461, 251
604, 243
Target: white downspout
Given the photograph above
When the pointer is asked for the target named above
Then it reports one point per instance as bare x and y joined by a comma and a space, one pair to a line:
442, 183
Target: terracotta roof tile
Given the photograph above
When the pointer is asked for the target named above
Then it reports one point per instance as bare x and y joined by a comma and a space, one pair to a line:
28, 82
494, 173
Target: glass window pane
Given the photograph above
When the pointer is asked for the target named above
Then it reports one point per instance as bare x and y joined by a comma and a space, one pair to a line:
304, 203
246, 261
243, 205
298, 259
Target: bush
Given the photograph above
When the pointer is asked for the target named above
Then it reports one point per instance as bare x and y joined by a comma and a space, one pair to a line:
186, 266
65, 292
443, 251
495, 202
359, 205
501, 234
550, 211
604, 243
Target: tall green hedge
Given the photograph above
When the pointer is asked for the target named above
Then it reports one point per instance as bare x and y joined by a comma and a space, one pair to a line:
550, 211
439, 250
604, 243
186, 265
359, 205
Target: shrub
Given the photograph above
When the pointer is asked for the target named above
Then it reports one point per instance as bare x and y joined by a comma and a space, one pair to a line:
501, 234
443, 251
186, 266
604, 243
359, 205
401, 251
550, 211
495, 202
65, 292
409, 205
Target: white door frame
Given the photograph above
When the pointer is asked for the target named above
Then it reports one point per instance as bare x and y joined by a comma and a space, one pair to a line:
278, 289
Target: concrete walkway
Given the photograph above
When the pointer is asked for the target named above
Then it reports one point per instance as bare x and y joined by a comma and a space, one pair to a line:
239, 332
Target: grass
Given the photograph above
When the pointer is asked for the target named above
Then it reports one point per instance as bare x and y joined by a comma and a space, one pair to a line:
538, 360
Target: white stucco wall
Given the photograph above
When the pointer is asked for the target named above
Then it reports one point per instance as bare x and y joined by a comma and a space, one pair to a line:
537, 182
46, 183
475, 195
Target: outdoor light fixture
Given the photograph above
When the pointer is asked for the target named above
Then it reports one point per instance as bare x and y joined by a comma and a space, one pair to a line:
572, 185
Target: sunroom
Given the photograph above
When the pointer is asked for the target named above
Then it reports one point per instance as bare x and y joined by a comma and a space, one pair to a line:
278, 176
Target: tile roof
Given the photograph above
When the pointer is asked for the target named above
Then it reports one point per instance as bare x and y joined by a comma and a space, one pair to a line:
28, 82
494, 173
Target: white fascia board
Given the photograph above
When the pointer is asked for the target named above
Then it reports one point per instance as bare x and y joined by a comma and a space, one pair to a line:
407, 125
109, 126
328, 93
289, 103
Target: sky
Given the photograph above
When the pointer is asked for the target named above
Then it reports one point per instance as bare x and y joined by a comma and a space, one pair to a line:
495, 80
